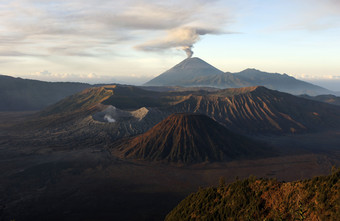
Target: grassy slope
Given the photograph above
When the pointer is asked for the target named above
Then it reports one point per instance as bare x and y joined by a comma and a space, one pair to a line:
263, 199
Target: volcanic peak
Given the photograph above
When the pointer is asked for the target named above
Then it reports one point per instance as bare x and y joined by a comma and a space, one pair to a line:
185, 71
189, 138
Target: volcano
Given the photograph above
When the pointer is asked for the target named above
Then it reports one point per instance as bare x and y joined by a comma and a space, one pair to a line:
185, 71
190, 138
194, 72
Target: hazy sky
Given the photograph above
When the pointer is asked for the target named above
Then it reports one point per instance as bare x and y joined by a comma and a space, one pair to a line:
107, 40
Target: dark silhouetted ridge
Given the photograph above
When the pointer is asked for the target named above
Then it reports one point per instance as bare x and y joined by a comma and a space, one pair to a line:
17, 94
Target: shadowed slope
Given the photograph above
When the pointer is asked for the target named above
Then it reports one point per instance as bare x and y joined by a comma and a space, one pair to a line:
326, 98
190, 138
17, 94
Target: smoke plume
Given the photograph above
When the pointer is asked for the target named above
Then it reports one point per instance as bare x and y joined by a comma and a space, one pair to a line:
180, 38
188, 50
109, 119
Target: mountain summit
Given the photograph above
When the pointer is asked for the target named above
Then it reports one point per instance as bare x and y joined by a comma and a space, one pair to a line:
188, 69
194, 72
190, 138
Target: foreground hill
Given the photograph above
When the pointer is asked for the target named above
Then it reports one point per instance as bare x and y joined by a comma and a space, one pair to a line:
17, 94
194, 72
190, 138
262, 199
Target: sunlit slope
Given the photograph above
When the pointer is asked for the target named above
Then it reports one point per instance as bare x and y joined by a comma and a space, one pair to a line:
262, 199
261, 110
254, 110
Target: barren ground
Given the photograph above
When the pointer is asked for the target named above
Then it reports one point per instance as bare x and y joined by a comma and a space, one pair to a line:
88, 183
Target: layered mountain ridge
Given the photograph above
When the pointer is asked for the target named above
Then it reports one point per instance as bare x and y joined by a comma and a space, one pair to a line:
254, 110
17, 94
194, 72
260, 110
326, 98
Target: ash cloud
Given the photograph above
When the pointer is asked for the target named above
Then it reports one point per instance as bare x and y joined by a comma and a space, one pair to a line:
181, 38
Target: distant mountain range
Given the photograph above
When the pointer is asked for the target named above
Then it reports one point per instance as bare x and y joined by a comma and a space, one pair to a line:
327, 98
196, 72
17, 94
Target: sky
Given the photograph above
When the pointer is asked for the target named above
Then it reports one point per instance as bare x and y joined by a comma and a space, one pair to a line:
132, 41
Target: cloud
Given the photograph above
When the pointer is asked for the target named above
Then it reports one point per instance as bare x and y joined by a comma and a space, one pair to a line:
89, 28
43, 73
318, 77
91, 78
67, 76
183, 38
314, 15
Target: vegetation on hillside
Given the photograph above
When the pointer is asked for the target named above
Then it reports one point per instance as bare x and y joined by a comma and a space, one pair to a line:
264, 199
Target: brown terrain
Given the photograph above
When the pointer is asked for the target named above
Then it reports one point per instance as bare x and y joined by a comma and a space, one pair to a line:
251, 110
190, 138
57, 164
260, 110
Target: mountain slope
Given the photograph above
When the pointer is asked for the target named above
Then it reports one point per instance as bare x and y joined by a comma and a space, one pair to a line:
85, 119
190, 138
254, 110
105, 114
260, 110
262, 199
253, 77
82, 101
281, 82
184, 71
194, 72
17, 94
